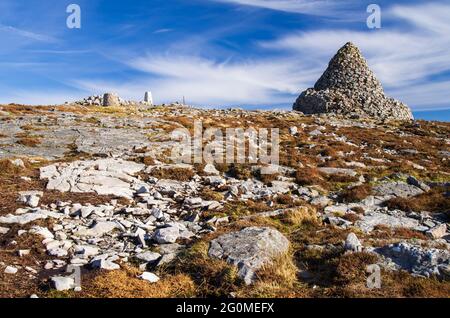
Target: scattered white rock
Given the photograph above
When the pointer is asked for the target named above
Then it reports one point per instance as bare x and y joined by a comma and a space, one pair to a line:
293, 130
30, 198
23, 253
352, 243
10, 270
167, 235
18, 163
438, 231
63, 283
210, 169
152, 278
148, 256
4, 230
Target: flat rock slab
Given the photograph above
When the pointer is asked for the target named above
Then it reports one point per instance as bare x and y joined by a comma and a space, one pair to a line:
103, 176
249, 249
337, 171
28, 217
110, 141
369, 221
397, 189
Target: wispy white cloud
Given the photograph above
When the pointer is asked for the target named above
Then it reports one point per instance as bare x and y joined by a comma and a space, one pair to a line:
431, 96
206, 82
315, 7
162, 31
26, 34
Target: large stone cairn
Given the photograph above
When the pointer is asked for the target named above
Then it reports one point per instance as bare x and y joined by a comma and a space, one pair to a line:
111, 99
349, 87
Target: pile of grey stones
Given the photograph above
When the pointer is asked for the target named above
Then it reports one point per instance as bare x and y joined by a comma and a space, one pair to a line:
348, 87
108, 99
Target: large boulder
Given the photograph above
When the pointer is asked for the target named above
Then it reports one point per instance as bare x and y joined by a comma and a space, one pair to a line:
349, 87
249, 249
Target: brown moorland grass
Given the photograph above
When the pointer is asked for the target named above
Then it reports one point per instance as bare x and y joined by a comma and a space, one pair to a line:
212, 277
435, 200
179, 174
351, 267
382, 232
355, 194
124, 283
308, 176
29, 141
300, 215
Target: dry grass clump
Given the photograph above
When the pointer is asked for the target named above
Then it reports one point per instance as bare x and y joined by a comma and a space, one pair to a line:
213, 277
432, 201
352, 267
300, 215
356, 194
267, 178
240, 171
210, 195
29, 141
358, 210
396, 284
179, 174
124, 283
341, 178
352, 217
277, 279
8, 168
284, 199
308, 176
387, 233
237, 209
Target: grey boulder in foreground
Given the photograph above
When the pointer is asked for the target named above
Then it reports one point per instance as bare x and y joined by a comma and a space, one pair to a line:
249, 249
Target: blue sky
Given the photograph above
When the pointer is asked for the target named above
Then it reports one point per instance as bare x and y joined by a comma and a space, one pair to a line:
252, 53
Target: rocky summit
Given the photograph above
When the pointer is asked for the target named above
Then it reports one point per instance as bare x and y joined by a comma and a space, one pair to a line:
350, 88
93, 188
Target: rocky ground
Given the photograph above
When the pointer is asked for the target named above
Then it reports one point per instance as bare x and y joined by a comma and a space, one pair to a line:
94, 187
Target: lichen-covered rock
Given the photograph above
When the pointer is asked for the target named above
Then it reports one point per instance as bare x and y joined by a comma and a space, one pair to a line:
418, 260
249, 249
349, 87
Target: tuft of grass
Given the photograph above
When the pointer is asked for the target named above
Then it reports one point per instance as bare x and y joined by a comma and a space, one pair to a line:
300, 215
277, 279
355, 194
240, 171
386, 232
352, 267
29, 141
179, 174
210, 195
352, 217
125, 283
213, 277
308, 176
8, 168
284, 199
